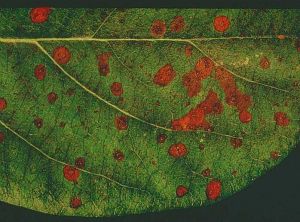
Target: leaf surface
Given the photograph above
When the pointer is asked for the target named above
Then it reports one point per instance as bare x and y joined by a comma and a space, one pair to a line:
102, 117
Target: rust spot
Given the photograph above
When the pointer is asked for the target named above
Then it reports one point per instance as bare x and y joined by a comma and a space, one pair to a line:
121, 122
281, 119
158, 28
181, 191
236, 142
177, 150
264, 63
116, 89
103, 63
164, 75
118, 155
177, 24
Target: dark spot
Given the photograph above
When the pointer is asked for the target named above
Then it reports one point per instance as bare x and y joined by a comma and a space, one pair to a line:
52, 97
118, 155
161, 138
80, 162
38, 122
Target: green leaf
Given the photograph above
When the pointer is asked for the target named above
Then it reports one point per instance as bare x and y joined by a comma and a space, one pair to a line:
70, 80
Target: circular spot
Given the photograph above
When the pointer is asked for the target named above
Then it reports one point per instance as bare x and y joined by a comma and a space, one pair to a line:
158, 28
206, 172
61, 55
213, 189
221, 23
2, 137
245, 116
264, 63
40, 15
75, 202
281, 119
71, 173
177, 24
118, 155
236, 142
177, 150
116, 89
121, 122
40, 72
80, 162
38, 122
3, 104
161, 138
52, 97
275, 155
181, 191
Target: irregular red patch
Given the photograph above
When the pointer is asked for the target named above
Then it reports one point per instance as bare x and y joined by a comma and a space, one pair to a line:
213, 189
206, 172
188, 50
245, 116
275, 155
80, 162
177, 24
40, 72
236, 142
164, 75
52, 97
121, 122
103, 63
281, 119
181, 191
158, 28
221, 23
192, 82
116, 89
281, 37
118, 155
2, 137
61, 55
204, 66
264, 63
40, 15
161, 138
38, 122
71, 173
75, 202
3, 104
211, 104
177, 150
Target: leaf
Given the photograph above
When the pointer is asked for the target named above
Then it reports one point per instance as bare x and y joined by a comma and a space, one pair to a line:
109, 112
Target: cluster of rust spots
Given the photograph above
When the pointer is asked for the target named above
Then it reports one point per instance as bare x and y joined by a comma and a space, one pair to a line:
192, 80
103, 63
52, 97
164, 75
195, 118
38, 122
159, 28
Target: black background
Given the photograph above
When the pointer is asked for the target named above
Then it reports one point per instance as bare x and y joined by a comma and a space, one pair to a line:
271, 198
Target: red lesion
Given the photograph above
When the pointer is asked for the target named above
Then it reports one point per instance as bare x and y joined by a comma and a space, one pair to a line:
103, 63
195, 118
40, 15
281, 119
177, 24
158, 28
213, 189
75, 202
164, 75
221, 23
61, 55
181, 191
118, 155
71, 173
177, 150
121, 122
188, 50
40, 71
3, 104
264, 63
2, 137
116, 88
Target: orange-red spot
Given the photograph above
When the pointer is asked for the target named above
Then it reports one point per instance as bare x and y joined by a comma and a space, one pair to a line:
116, 89
52, 97
245, 116
164, 75
264, 63
3, 104
236, 142
204, 66
40, 72
61, 55
158, 28
213, 189
281, 37
192, 82
118, 155
177, 150
188, 50
71, 173
221, 23
275, 155
281, 119
177, 24
2, 137
75, 202
181, 191
40, 15
103, 63
121, 122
